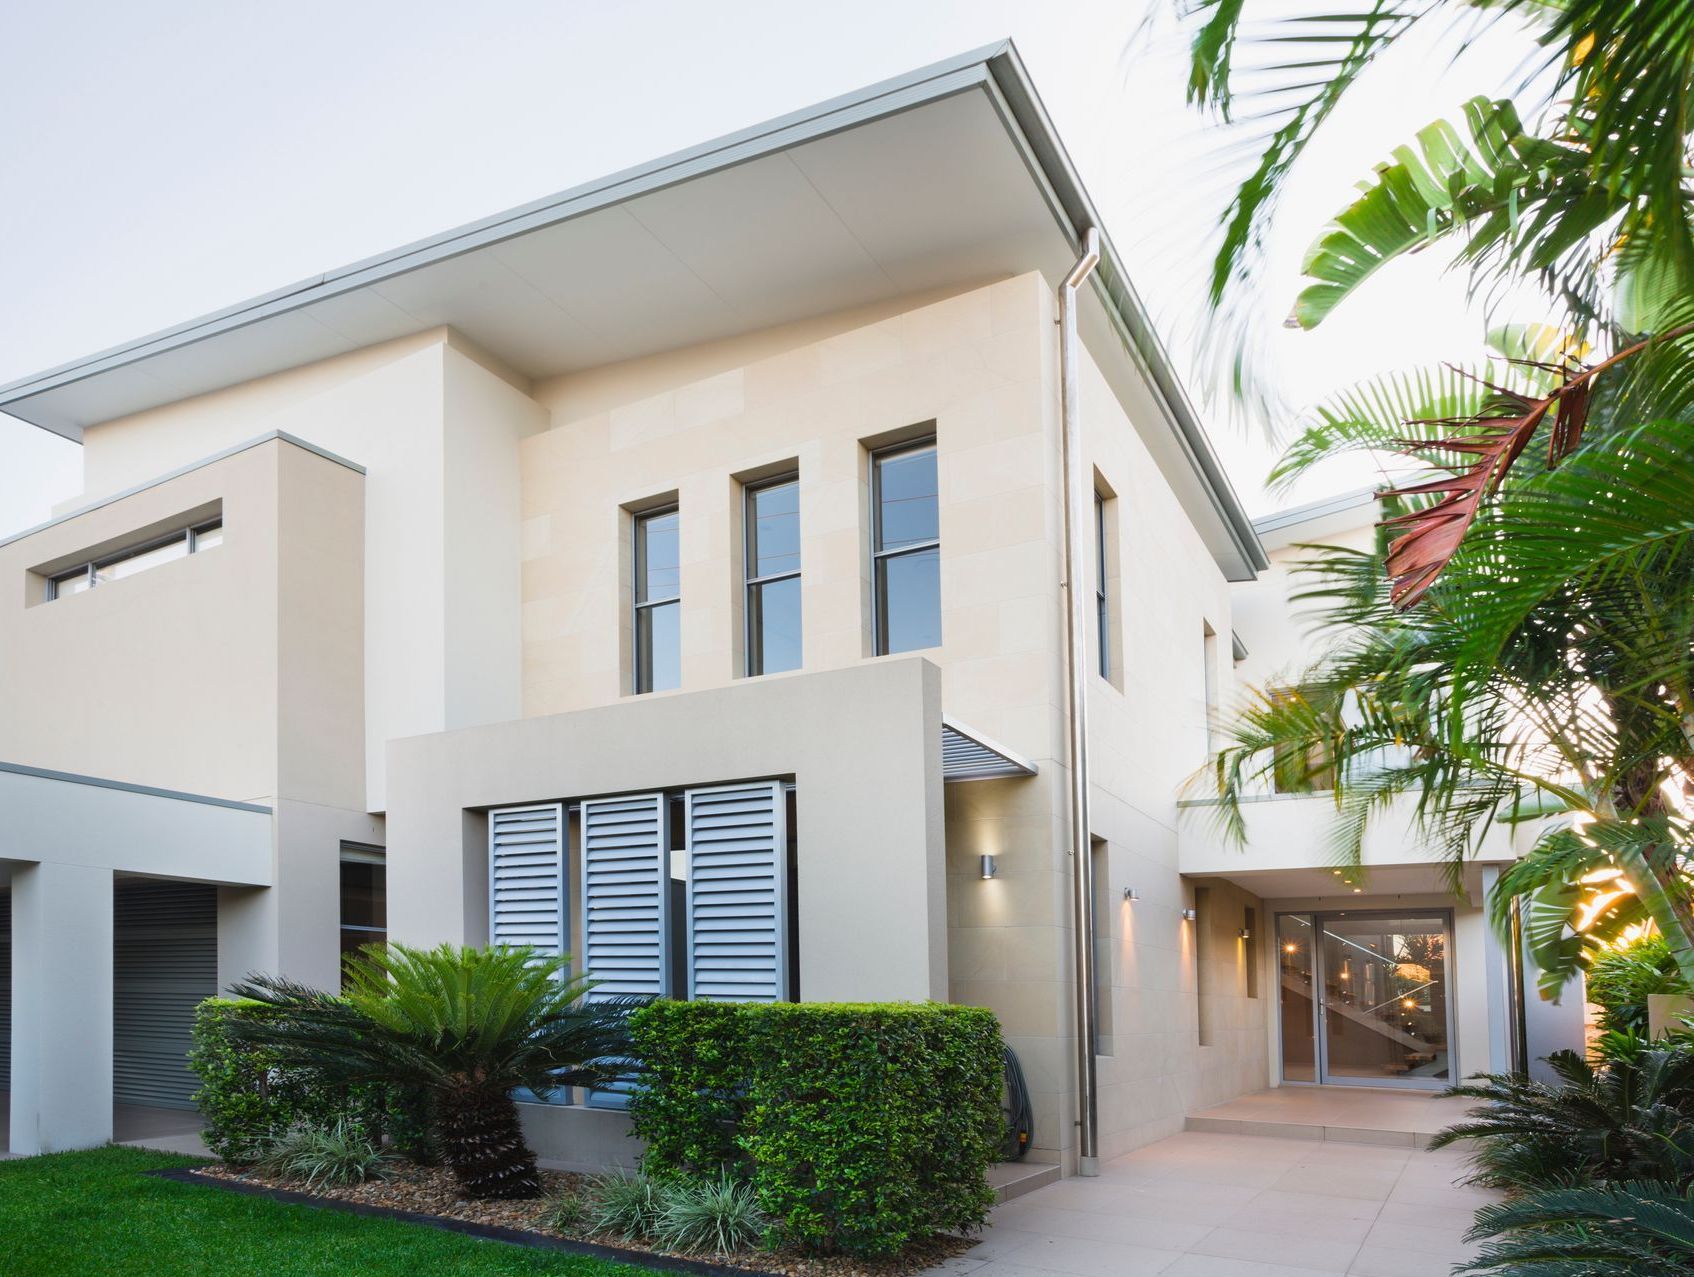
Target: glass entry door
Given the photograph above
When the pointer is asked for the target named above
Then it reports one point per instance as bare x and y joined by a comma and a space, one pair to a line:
1365, 998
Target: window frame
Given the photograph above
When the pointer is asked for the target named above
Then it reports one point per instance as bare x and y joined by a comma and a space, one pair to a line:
89, 569
638, 571
1102, 592
881, 556
750, 581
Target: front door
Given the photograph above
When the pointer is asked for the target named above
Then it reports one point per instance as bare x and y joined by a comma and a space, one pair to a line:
1365, 998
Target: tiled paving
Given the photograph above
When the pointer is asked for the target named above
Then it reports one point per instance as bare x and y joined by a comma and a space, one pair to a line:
1201, 1204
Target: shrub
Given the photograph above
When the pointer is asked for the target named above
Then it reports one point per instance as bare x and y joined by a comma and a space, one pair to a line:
864, 1126
464, 1027
1621, 980
719, 1214
570, 1212
251, 1101
332, 1156
624, 1204
1627, 1119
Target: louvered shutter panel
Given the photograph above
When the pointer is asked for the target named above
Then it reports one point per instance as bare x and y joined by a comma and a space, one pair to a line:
738, 893
625, 894
527, 897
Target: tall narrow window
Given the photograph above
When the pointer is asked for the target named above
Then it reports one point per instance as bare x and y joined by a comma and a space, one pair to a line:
1209, 685
772, 520
658, 602
906, 548
364, 897
1202, 994
1104, 967
1102, 601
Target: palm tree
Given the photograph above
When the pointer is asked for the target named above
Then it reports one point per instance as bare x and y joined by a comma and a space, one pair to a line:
1592, 203
465, 1027
1548, 673
1621, 1230
1624, 1120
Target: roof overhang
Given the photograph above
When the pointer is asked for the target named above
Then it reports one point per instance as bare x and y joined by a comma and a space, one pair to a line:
948, 176
967, 754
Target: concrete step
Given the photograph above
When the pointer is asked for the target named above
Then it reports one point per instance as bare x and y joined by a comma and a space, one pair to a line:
1349, 1115
1014, 1179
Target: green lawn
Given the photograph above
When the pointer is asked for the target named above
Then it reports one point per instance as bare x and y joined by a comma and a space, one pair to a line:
96, 1213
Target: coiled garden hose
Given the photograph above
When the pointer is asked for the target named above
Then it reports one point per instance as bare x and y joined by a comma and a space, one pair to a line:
1015, 1108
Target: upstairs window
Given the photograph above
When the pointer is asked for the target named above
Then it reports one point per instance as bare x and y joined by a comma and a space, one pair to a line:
135, 558
658, 602
772, 522
906, 548
1102, 598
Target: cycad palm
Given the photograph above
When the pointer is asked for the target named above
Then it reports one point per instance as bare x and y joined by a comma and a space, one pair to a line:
1621, 1230
466, 1027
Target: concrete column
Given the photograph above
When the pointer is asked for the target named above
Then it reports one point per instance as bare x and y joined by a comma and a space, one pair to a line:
61, 1007
1497, 972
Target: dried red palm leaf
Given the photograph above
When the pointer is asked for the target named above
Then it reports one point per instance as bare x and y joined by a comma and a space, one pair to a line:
1494, 439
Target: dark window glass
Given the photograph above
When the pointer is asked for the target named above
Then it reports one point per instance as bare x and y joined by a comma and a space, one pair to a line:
1102, 605
773, 626
658, 609
906, 549
773, 577
364, 904
908, 603
658, 647
907, 498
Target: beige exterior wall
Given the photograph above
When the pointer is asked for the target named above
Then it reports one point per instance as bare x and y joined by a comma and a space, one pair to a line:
235, 673
435, 424
871, 908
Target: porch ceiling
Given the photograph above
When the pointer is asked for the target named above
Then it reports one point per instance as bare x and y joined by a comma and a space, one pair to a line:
1373, 882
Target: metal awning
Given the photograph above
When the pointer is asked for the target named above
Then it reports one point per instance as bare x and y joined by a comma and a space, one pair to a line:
969, 755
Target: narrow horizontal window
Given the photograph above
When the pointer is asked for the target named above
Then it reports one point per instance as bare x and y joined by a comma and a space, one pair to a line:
135, 559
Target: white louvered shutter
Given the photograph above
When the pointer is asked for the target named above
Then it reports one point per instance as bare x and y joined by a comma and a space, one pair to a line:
738, 893
625, 894
527, 896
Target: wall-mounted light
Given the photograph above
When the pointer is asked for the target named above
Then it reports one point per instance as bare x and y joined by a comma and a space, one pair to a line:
1245, 934
1190, 915
989, 868
1131, 894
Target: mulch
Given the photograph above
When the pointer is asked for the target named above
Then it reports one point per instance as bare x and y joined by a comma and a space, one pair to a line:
429, 1194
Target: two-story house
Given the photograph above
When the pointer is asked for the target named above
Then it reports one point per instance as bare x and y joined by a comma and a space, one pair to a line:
671, 572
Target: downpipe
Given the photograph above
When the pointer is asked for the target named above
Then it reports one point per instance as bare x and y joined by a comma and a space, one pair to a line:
1076, 508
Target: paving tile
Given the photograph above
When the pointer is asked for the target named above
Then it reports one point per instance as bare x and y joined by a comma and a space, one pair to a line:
1392, 1261
1151, 1231
1269, 1219
1094, 1259
1323, 1205
1372, 1182
1212, 1266
1300, 1251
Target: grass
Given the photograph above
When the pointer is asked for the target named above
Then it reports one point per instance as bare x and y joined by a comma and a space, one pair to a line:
97, 1212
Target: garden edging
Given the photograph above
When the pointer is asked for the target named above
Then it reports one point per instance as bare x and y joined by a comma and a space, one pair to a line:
489, 1232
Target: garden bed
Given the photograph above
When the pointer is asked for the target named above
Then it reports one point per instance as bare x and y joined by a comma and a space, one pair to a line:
430, 1195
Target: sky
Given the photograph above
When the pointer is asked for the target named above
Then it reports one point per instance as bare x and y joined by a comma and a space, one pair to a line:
164, 160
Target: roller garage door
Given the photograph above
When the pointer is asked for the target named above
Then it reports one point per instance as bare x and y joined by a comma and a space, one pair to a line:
165, 962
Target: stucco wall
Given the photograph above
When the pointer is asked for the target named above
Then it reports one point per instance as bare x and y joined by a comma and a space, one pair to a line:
863, 747
435, 423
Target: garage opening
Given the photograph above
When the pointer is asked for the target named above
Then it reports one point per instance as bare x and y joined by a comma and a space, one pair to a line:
165, 963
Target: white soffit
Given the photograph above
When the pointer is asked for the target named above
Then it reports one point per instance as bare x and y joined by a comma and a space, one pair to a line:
949, 176
968, 755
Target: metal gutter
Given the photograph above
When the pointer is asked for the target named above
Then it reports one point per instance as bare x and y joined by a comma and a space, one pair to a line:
1118, 295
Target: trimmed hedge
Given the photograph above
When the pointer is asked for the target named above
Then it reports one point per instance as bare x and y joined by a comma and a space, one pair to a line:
862, 1127
250, 1102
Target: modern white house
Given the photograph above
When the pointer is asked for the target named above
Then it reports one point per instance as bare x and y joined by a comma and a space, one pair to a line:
787, 569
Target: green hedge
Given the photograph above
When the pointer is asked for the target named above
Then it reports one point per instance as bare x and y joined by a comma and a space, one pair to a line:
249, 1101
862, 1126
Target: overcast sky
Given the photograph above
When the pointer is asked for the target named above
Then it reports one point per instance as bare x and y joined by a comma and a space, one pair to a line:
166, 159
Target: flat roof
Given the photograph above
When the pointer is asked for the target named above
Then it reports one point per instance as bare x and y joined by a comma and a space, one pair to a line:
949, 175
